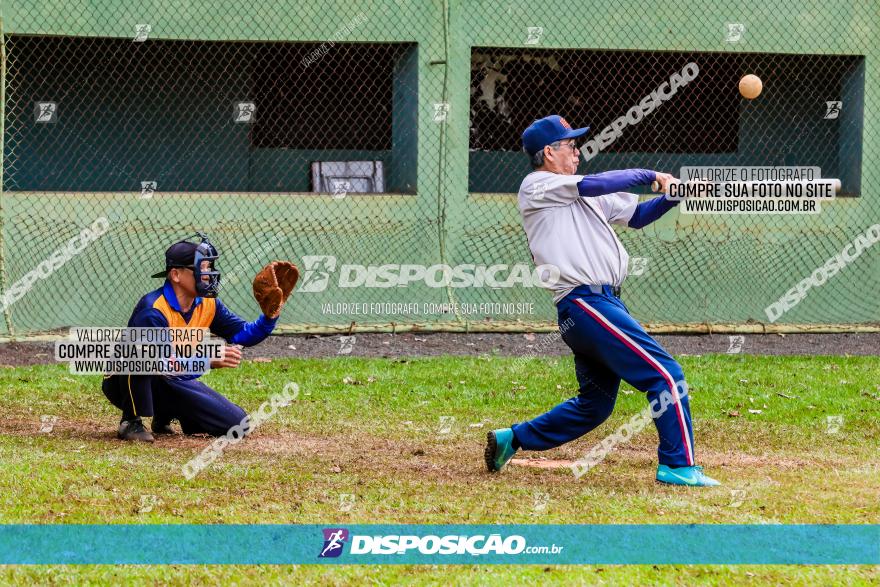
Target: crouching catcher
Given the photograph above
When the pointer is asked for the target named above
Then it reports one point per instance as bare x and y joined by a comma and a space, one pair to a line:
188, 299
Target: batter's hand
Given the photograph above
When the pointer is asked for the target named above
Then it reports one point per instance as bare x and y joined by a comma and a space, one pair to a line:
231, 358
664, 179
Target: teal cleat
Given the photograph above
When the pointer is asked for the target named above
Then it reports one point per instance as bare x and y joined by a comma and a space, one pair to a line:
499, 448
692, 476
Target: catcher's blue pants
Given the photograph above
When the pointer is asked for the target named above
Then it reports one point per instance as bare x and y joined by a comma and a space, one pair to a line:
609, 345
197, 407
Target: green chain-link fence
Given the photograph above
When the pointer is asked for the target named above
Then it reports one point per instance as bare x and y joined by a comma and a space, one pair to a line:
376, 144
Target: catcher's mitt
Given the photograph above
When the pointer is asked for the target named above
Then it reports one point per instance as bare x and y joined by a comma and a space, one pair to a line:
272, 286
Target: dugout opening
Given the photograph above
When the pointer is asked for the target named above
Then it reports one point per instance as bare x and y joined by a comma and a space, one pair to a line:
197, 116
792, 123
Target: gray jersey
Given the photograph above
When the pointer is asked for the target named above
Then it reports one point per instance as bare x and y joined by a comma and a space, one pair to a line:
573, 233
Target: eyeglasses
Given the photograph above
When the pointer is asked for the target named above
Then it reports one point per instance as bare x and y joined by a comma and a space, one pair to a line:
572, 145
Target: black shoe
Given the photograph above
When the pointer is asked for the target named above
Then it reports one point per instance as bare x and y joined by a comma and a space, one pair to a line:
134, 430
161, 427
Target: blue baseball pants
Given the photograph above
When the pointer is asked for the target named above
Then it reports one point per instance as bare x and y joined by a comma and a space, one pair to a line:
199, 408
610, 345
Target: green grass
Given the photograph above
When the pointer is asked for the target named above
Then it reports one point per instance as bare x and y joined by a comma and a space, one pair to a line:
369, 427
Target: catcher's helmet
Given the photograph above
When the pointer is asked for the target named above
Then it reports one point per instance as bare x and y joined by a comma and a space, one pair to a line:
193, 256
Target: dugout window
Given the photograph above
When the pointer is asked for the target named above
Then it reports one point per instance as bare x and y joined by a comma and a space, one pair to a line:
706, 122
205, 115
357, 100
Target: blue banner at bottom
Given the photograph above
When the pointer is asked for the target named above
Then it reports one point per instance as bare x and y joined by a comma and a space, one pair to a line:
440, 544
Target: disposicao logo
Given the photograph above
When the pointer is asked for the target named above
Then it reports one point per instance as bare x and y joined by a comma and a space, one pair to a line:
334, 540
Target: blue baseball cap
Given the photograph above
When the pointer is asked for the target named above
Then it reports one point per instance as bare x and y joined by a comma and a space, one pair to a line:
548, 130
180, 254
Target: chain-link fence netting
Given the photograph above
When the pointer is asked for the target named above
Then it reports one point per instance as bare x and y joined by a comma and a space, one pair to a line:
378, 147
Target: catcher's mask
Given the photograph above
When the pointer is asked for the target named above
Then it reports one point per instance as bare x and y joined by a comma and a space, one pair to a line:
207, 255
201, 258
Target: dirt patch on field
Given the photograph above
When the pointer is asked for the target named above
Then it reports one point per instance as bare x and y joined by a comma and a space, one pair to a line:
476, 344
345, 453
333, 454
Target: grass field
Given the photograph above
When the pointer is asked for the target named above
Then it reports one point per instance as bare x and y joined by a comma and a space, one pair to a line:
405, 438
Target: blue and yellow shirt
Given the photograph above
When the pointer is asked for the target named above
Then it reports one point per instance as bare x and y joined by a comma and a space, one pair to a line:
160, 308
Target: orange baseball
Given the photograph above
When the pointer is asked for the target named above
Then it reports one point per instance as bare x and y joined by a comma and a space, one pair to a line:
750, 86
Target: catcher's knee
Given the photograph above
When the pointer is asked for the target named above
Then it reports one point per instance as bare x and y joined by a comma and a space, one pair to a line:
234, 421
